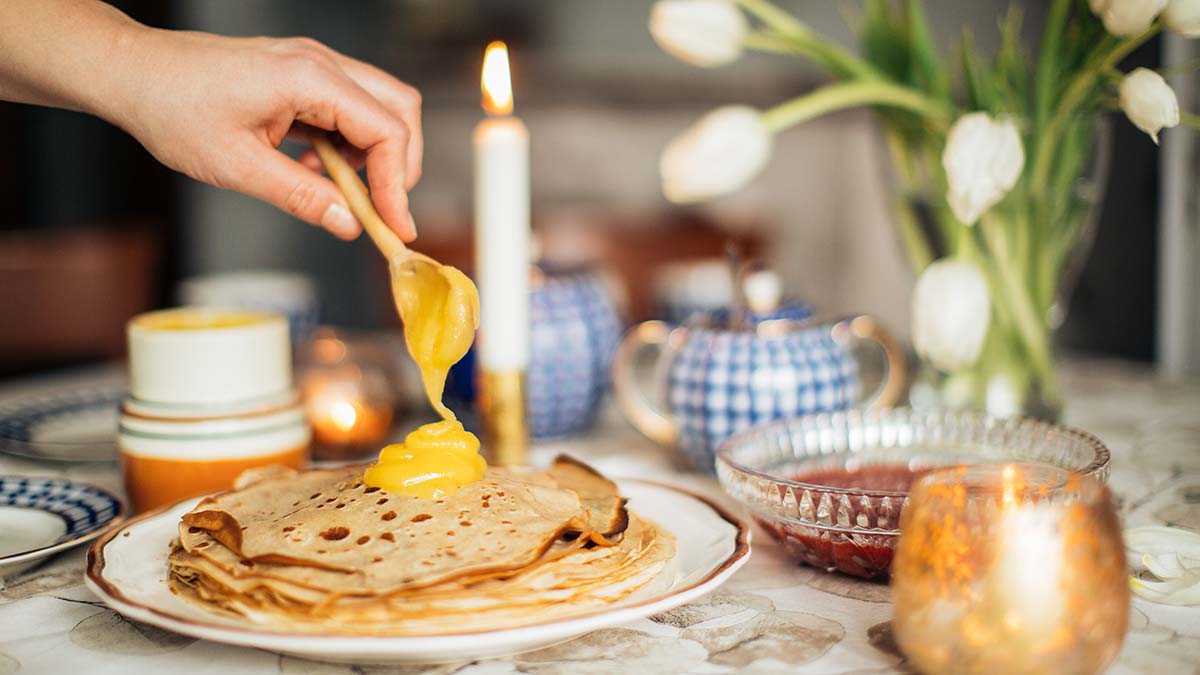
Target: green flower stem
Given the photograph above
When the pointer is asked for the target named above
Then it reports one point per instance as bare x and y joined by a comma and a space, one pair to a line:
1019, 305
829, 56
917, 246
805, 42
1190, 119
775, 18
1073, 96
848, 95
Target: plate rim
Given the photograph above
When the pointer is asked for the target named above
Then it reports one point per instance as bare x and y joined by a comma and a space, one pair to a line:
249, 636
101, 529
94, 396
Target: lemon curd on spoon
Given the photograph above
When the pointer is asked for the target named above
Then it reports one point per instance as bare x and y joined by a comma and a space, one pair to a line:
439, 306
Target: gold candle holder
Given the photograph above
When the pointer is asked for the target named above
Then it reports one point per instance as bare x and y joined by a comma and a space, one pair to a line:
1010, 569
502, 407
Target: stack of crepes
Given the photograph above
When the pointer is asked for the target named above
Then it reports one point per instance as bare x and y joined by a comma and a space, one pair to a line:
321, 552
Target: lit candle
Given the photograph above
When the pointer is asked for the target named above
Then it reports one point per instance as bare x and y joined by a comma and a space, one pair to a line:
501, 221
502, 259
1013, 569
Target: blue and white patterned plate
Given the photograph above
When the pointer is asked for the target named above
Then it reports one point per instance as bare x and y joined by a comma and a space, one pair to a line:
43, 516
70, 425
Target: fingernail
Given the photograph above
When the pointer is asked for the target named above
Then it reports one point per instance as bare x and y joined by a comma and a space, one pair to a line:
412, 223
338, 220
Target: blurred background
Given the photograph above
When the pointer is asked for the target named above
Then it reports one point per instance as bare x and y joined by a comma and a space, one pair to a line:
93, 230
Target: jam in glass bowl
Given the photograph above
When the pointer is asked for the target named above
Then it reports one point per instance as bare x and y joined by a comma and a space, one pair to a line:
831, 486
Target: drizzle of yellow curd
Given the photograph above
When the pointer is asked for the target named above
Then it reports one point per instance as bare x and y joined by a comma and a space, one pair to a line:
440, 310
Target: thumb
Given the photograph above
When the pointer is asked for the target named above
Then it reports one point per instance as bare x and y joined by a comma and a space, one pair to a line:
302, 192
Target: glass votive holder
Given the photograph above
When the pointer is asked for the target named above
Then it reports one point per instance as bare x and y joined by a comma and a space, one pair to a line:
349, 395
1012, 568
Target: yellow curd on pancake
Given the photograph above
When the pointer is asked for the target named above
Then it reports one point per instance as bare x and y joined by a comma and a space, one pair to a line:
434, 461
440, 310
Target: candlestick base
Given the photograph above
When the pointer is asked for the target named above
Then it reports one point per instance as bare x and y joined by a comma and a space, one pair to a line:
502, 408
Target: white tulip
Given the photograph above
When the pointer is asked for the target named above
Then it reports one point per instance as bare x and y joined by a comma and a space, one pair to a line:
705, 33
1127, 17
717, 155
983, 160
1148, 101
951, 309
1183, 17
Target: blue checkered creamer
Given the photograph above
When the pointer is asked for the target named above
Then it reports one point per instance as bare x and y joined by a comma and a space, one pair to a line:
725, 381
574, 329
720, 379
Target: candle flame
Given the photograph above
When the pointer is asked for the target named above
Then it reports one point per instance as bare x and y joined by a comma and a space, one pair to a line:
343, 415
496, 81
1009, 475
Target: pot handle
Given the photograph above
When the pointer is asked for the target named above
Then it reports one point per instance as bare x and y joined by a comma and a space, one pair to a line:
895, 378
657, 425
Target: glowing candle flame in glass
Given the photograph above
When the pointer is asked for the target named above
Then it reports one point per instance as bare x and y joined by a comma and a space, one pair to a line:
1017, 569
496, 80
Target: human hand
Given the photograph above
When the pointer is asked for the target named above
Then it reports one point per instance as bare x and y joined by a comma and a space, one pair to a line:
217, 108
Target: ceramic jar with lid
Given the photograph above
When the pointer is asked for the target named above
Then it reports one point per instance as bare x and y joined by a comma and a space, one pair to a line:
211, 395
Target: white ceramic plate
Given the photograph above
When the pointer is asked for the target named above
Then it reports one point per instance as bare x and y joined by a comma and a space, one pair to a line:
127, 569
43, 516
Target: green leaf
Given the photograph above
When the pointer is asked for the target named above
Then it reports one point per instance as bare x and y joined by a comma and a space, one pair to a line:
1012, 68
925, 65
884, 44
1050, 60
975, 79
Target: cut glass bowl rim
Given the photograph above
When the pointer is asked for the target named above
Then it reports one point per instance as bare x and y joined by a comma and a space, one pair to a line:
747, 440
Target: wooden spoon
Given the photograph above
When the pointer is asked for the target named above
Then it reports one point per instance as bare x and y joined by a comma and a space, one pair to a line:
438, 304
359, 199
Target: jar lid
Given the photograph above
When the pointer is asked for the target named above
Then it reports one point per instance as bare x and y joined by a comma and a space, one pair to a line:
208, 357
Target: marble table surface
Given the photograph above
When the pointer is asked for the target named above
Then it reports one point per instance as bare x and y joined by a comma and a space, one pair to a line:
772, 616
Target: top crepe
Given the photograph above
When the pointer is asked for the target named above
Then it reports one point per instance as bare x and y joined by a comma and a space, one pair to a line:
325, 529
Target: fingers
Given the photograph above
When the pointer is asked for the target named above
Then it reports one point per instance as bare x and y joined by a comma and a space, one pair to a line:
400, 99
330, 100
299, 191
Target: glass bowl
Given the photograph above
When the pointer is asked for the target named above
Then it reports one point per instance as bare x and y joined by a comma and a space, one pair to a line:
799, 477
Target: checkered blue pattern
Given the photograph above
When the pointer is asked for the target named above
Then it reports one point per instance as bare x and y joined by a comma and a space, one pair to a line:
574, 331
83, 507
19, 421
723, 381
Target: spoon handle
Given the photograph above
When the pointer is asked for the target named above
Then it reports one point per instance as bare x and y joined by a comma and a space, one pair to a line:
358, 198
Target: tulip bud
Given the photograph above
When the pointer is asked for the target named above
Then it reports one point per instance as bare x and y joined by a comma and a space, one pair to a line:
705, 33
1127, 17
982, 160
1183, 17
717, 155
1148, 101
950, 314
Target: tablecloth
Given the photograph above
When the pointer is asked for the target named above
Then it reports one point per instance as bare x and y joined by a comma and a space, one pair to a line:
772, 616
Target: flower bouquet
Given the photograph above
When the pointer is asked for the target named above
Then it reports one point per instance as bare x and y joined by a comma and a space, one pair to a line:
989, 152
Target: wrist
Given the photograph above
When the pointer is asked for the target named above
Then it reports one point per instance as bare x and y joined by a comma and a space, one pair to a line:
115, 78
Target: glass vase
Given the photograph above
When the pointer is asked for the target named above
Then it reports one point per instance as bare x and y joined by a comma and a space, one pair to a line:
1016, 372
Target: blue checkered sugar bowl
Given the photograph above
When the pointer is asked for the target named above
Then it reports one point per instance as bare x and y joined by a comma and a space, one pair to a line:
720, 378
574, 331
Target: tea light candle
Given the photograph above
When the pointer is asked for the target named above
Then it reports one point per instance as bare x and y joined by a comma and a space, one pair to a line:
347, 399
1012, 570
341, 417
